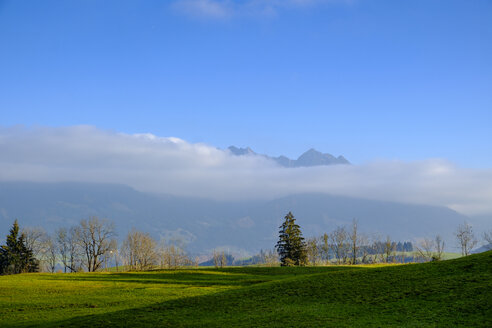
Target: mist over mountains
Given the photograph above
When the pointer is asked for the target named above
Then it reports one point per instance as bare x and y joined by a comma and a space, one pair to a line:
172, 166
204, 197
312, 157
239, 227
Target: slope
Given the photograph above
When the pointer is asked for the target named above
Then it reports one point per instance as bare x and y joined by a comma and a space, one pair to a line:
449, 293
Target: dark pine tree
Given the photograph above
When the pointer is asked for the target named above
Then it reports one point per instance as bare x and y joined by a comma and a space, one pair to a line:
15, 257
291, 246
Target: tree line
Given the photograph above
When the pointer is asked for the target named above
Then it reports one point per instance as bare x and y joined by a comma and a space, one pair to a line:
91, 244
347, 245
343, 245
88, 246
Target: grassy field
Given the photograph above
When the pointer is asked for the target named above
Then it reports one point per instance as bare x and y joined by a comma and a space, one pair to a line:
449, 293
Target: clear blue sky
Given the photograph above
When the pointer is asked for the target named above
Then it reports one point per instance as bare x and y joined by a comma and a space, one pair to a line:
405, 80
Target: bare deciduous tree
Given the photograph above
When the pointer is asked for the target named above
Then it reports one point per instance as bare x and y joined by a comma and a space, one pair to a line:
223, 260
364, 248
487, 236
51, 253
439, 248
68, 248
67, 241
425, 249
325, 247
338, 244
116, 256
74, 251
94, 238
216, 259
63, 246
113, 252
43, 246
139, 250
377, 249
312, 250
354, 241
173, 257
466, 238
196, 262
389, 249
271, 258
35, 238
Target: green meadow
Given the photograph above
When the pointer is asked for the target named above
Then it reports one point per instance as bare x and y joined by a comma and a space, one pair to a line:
449, 293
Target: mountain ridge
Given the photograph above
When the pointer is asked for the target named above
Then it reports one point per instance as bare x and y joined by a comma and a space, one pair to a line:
203, 225
311, 157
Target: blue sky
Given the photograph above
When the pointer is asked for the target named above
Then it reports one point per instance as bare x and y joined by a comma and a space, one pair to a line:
406, 80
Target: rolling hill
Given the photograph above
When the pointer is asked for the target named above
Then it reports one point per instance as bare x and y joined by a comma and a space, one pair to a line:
453, 293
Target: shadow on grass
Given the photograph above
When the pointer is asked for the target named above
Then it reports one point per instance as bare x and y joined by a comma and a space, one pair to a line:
249, 306
290, 271
188, 279
450, 293
200, 277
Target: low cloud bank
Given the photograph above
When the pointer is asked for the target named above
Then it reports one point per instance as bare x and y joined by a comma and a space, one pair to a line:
174, 166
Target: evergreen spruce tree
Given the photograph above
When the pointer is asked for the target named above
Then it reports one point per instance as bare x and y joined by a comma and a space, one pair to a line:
291, 246
15, 257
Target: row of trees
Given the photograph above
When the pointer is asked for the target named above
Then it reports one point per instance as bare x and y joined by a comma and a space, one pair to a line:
341, 246
87, 246
140, 251
433, 249
349, 246
91, 244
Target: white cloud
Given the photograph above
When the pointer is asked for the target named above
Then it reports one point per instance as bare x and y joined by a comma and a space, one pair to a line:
220, 9
205, 8
171, 165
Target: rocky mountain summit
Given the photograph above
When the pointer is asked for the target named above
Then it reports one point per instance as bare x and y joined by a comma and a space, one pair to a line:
312, 157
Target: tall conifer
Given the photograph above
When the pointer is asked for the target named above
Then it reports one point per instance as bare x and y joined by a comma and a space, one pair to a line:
15, 257
291, 246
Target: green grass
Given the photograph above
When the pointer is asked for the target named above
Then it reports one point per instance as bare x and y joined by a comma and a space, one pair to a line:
450, 256
443, 294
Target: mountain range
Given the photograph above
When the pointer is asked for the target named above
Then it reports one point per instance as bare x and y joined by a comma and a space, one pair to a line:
241, 228
312, 157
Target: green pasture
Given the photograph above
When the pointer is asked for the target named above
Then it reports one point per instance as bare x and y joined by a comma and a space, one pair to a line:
453, 293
